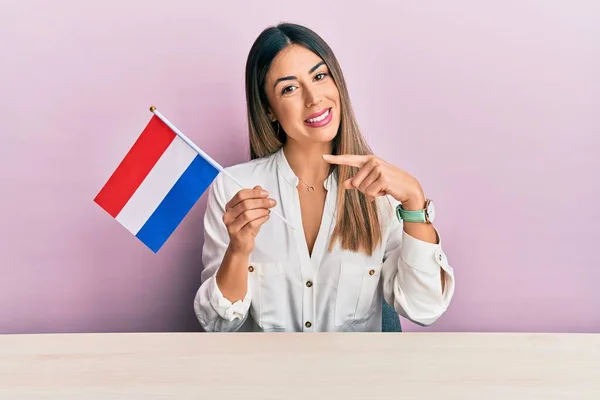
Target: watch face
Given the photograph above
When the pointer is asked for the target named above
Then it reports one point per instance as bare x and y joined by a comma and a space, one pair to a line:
430, 211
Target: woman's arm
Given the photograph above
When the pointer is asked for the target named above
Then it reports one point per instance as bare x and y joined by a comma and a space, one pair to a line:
232, 275
214, 309
421, 231
418, 281
417, 278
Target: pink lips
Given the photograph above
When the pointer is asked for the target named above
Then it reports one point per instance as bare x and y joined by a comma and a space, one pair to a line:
322, 122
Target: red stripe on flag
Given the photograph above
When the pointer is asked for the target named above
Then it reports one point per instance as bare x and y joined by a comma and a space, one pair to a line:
136, 165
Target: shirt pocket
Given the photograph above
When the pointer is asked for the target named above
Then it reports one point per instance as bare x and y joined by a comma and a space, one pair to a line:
268, 294
356, 290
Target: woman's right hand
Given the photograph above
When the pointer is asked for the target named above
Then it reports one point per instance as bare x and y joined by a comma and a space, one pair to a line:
244, 215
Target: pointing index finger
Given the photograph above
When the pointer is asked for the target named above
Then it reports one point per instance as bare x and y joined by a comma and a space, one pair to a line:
352, 160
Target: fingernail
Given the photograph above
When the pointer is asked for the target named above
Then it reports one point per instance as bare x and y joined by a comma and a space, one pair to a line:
272, 202
264, 193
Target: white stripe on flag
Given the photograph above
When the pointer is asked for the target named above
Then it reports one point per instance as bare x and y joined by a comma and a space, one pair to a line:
163, 176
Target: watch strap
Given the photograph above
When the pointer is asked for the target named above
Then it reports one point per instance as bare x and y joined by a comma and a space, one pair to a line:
410, 215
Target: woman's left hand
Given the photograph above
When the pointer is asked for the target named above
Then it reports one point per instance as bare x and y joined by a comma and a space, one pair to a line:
377, 177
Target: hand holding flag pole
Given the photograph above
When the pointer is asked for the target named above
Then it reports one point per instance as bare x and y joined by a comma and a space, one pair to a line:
158, 182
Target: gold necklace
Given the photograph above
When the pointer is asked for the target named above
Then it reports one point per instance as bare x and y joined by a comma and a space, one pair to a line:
310, 188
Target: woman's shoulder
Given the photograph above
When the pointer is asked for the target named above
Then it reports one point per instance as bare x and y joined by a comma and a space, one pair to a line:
251, 171
252, 167
247, 173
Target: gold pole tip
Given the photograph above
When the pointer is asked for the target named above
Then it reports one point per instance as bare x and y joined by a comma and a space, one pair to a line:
152, 108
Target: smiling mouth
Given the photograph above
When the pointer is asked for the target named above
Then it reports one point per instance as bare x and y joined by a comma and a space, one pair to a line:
319, 119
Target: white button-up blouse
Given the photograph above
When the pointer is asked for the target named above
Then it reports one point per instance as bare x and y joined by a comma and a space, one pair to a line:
290, 290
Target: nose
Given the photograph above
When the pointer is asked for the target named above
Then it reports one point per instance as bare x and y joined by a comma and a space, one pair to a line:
312, 97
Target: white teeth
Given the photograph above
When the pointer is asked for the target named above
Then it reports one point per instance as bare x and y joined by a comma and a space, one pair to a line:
319, 118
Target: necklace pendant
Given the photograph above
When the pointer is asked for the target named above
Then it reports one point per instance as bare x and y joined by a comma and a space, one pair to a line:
311, 188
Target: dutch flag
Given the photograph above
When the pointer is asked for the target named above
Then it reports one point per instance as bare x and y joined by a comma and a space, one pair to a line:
158, 182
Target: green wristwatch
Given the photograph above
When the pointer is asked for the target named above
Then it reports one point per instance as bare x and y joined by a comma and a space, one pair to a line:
426, 215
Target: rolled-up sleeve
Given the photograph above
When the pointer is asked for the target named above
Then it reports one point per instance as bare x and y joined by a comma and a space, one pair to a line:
214, 312
412, 271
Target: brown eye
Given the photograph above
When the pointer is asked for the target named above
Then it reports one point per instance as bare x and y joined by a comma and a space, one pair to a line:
288, 89
320, 76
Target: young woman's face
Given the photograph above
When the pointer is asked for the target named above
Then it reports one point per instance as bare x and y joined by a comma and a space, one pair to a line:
303, 96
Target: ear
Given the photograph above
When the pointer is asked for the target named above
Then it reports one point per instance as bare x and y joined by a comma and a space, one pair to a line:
271, 115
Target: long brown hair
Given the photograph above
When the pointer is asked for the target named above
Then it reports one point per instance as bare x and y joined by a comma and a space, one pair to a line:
358, 225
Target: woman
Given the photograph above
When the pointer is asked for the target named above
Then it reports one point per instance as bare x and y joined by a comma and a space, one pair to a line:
363, 227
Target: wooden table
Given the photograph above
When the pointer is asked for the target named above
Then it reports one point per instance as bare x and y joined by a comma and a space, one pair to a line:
300, 366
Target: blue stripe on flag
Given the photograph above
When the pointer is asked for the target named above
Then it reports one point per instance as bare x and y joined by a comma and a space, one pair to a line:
177, 203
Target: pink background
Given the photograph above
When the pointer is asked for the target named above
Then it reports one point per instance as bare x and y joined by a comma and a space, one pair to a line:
493, 105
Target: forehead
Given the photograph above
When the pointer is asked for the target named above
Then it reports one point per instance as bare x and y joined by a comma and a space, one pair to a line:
293, 60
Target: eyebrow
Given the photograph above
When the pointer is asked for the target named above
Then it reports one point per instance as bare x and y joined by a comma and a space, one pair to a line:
289, 78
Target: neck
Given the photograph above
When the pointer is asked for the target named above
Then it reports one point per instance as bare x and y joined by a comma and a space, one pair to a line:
307, 162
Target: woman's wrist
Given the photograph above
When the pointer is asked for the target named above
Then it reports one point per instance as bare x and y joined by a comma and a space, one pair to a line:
232, 275
414, 203
237, 255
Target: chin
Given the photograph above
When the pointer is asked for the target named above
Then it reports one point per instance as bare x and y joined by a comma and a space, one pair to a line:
325, 134
318, 139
